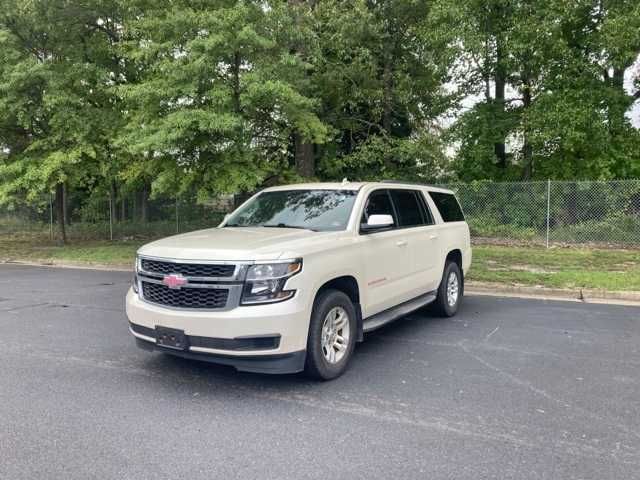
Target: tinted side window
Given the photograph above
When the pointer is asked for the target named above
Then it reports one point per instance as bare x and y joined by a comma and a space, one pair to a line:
378, 203
407, 207
448, 206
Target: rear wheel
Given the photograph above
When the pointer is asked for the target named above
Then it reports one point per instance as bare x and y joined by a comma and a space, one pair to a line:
332, 335
450, 291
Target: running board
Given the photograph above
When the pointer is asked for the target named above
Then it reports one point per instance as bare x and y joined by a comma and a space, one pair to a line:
379, 319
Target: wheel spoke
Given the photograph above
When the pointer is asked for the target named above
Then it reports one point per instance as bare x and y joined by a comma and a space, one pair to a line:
332, 354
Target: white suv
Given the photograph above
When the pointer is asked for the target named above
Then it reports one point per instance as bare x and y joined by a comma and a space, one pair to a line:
294, 277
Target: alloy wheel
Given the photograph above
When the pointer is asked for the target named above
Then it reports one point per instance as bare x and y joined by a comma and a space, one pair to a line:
453, 289
335, 334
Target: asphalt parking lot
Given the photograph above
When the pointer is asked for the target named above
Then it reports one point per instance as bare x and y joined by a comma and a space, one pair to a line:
508, 389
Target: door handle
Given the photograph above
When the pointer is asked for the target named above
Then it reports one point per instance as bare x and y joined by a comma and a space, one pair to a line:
401, 243
433, 236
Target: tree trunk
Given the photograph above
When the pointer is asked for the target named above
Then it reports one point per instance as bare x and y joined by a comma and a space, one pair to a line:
65, 204
113, 195
487, 82
302, 149
500, 81
60, 213
134, 205
144, 203
527, 150
618, 105
387, 95
123, 208
304, 158
236, 82
387, 100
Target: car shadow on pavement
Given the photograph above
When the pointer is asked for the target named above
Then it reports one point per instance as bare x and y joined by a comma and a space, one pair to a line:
220, 380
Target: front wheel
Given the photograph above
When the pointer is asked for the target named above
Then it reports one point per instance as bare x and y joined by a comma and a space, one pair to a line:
450, 291
332, 335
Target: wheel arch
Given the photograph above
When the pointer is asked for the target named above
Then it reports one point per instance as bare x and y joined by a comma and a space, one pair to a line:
347, 284
455, 256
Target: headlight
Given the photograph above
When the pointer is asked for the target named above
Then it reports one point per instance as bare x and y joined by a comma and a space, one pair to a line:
134, 280
265, 282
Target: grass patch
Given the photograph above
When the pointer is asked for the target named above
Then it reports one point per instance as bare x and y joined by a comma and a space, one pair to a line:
88, 252
557, 267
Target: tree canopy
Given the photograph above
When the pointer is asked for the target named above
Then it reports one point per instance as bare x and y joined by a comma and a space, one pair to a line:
224, 96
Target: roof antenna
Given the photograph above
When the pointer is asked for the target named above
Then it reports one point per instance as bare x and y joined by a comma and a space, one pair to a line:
345, 180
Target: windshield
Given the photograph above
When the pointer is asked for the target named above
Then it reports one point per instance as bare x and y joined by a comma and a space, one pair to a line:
320, 210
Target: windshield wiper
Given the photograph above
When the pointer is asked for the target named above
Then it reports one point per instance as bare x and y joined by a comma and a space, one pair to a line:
284, 225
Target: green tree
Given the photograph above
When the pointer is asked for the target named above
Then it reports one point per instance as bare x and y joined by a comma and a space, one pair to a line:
216, 101
562, 65
379, 74
56, 111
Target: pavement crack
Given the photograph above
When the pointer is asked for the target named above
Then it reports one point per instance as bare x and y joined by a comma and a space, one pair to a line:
486, 339
23, 307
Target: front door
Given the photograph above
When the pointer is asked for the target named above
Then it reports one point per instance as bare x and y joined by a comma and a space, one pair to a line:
414, 216
385, 258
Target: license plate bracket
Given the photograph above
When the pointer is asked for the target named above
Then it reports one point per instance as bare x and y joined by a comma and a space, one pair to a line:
171, 338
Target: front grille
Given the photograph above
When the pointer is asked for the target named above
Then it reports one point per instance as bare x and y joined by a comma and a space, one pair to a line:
188, 269
185, 297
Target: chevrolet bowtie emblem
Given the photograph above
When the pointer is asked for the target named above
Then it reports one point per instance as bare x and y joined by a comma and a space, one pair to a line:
174, 280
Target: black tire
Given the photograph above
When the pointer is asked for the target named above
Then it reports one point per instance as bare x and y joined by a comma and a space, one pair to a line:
317, 365
441, 306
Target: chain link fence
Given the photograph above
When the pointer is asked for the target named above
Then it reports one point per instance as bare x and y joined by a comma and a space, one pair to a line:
544, 213
553, 212
97, 217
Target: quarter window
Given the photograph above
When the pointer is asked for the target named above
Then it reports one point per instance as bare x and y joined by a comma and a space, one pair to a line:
448, 206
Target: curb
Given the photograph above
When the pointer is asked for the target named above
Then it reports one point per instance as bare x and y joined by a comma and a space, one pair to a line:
573, 294
79, 265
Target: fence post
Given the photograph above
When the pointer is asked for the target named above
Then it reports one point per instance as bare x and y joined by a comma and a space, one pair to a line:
50, 216
548, 207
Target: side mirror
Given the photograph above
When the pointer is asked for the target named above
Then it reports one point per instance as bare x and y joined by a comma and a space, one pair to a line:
377, 222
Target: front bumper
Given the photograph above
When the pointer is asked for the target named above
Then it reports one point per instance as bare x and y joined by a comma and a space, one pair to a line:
244, 337
279, 364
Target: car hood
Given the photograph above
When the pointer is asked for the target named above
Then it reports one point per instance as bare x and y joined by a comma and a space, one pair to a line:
237, 243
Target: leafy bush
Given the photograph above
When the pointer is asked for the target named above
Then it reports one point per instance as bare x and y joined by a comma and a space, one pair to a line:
490, 228
620, 229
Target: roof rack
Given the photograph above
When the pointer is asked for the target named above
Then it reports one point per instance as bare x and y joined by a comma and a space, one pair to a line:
409, 183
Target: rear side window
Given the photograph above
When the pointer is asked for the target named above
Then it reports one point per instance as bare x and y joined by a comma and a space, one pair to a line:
408, 207
378, 203
448, 206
